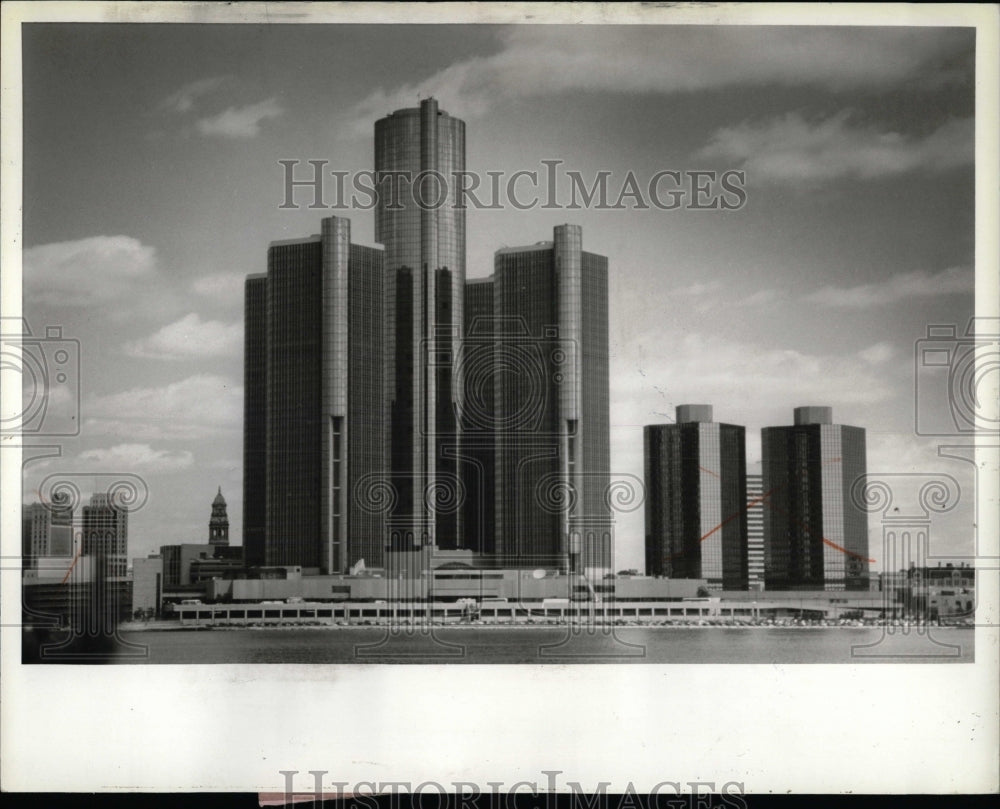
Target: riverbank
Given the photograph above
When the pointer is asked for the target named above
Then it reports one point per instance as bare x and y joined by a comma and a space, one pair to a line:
534, 645
905, 626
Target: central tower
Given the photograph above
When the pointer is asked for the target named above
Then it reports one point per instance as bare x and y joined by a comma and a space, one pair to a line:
421, 225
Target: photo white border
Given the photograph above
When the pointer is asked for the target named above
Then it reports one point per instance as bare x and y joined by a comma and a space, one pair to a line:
892, 728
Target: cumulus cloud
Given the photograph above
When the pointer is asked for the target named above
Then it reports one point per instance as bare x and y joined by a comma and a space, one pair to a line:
706, 297
224, 287
709, 295
791, 149
239, 122
184, 99
199, 406
86, 271
747, 384
917, 284
742, 373
137, 457
189, 338
878, 354
540, 60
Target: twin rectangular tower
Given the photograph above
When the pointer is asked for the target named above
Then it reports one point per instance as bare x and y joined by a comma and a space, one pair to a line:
799, 526
390, 405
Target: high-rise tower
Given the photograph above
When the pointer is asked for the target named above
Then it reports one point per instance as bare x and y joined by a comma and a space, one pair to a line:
255, 419
105, 534
422, 227
315, 405
696, 521
537, 379
815, 536
48, 530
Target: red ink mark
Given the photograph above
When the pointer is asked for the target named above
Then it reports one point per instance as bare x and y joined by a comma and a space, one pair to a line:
832, 544
762, 499
732, 517
72, 565
844, 550
728, 519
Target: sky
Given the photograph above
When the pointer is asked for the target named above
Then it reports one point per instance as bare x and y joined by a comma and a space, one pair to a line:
152, 188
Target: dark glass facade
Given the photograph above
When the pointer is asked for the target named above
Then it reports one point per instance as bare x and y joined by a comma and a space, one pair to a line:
420, 223
550, 394
255, 418
323, 400
815, 537
367, 444
528, 526
696, 521
478, 422
294, 377
594, 424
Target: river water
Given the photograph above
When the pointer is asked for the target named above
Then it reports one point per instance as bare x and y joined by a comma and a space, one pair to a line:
535, 645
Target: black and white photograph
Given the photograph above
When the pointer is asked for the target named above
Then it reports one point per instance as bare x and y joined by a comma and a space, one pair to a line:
499, 348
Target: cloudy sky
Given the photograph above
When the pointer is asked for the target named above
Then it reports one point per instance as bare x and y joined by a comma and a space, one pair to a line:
152, 187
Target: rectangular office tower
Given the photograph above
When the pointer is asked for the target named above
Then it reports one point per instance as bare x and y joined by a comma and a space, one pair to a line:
105, 534
314, 420
536, 404
815, 537
421, 224
47, 531
696, 501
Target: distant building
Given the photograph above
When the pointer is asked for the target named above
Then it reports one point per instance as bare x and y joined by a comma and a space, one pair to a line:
147, 584
434, 574
815, 537
756, 503
188, 564
222, 565
55, 589
47, 531
696, 500
218, 524
945, 591
105, 534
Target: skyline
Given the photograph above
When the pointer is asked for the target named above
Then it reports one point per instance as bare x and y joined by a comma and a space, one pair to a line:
813, 293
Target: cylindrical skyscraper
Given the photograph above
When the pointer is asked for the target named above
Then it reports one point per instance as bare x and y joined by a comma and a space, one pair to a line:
419, 222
